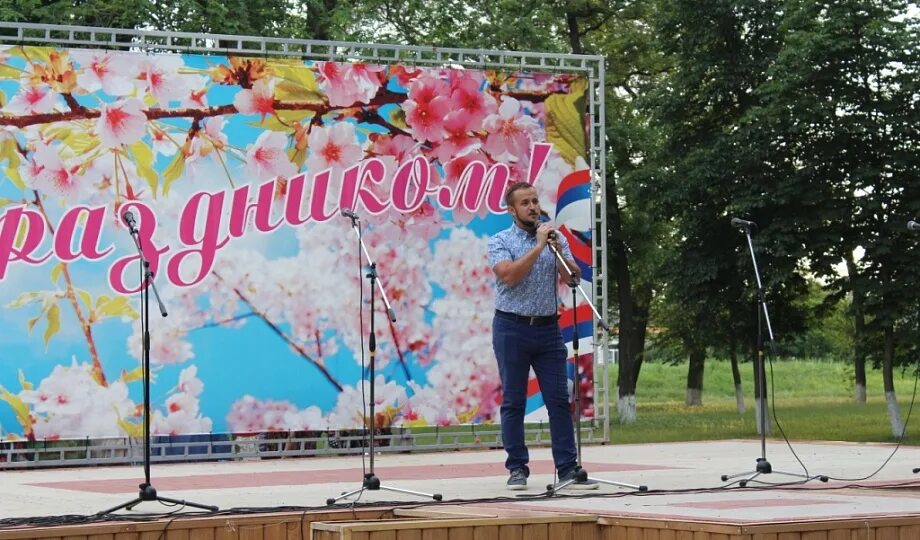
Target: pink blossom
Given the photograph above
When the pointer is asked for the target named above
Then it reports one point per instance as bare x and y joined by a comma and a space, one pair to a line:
457, 141
172, 345
426, 108
469, 103
183, 414
453, 174
349, 410
400, 147
213, 128
333, 147
511, 133
427, 407
122, 122
32, 100
161, 142
266, 158
425, 222
99, 175
197, 96
70, 403
159, 75
249, 415
403, 75
462, 374
110, 72
260, 99
52, 176
348, 84
189, 381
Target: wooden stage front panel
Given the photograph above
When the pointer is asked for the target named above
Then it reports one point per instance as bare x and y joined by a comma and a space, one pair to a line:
466, 523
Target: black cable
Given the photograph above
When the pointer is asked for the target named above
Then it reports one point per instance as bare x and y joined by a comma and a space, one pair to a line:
72, 519
884, 463
773, 409
162, 535
900, 437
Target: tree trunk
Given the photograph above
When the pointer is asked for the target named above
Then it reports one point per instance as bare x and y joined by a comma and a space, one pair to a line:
633, 321
894, 412
633, 311
318, 19
736, 375
695, 376
859, 331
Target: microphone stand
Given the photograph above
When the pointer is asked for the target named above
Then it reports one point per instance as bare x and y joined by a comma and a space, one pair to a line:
581, 475
147, 491
763, 315
914, 226
370, 481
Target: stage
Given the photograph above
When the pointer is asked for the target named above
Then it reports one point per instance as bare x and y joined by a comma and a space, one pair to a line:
283, 499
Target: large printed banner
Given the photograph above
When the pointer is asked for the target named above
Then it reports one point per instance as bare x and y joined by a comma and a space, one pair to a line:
236, 170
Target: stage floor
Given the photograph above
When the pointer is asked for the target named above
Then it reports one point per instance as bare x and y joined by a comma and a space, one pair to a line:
684, 480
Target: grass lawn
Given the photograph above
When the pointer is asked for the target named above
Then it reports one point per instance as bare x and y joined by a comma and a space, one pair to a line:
813, 401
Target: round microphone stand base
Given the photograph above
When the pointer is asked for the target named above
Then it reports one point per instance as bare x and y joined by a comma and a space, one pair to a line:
372, 483
149, 493
581, 475
764, 467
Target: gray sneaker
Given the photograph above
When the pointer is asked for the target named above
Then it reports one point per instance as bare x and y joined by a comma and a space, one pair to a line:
587, 484
518, 480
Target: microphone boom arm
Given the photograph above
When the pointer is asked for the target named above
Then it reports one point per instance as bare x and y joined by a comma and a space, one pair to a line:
386, 301
565, 264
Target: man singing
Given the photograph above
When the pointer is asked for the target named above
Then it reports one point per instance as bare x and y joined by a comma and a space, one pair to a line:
525, 332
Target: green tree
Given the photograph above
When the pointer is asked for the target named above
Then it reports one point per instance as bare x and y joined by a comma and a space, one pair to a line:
101, 13
840, 114
710, 172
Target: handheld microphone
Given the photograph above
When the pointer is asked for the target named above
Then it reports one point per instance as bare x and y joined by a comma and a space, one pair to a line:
128, 217
912, 225
544, 218
743, 224
349, 214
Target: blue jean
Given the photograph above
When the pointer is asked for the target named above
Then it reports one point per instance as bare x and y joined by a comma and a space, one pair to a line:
519, 347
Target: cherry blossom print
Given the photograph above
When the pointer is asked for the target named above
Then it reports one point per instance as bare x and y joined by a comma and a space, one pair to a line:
260, 99
113, 73
511, 133
469, 103
249, 415
267, 157
389, 398
426, 407
122, 122
182, 414
400, 147
197, 95
70, 403
206, 153
159, 76
426, 108
171, 345
346, 84
162, 142
335, 147
403, 74
32, 100
52, 175
457, 141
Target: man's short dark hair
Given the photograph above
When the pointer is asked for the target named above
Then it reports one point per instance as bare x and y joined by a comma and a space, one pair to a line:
517, 186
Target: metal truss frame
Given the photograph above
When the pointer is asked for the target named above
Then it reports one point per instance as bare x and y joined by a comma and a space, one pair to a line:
589, 66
